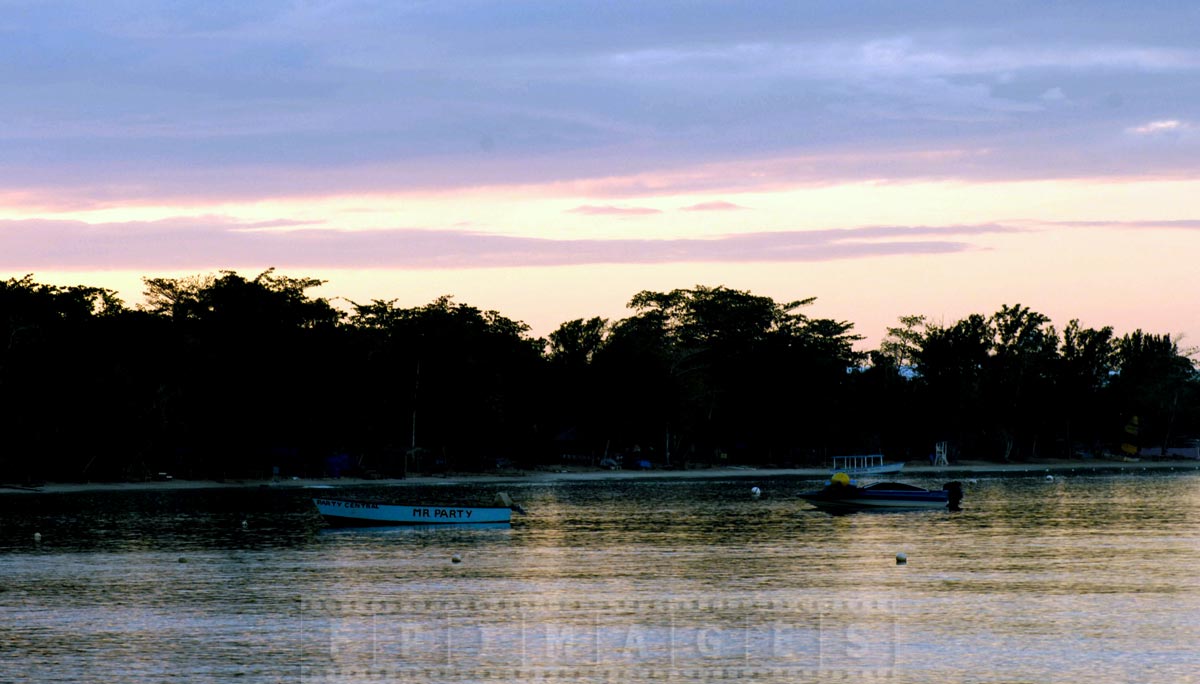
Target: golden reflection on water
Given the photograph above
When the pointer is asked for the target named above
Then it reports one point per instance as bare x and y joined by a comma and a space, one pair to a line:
1074, 580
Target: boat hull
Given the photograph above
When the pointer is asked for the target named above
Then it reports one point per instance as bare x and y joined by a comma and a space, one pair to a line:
883, 496
352, 513
901, 501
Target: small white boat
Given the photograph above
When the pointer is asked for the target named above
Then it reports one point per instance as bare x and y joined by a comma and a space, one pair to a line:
358, 513
865, 464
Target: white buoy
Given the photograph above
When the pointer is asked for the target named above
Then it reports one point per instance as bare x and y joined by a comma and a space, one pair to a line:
456, 558
1049, 478
37, 536
901, 558
245, 524
755, 492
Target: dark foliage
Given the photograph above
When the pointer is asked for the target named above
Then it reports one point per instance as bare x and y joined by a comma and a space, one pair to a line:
223, 376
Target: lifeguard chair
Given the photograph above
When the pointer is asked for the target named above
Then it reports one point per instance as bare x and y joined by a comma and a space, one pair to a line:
939, 454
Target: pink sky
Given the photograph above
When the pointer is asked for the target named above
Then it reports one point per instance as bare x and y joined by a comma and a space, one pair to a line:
552, 166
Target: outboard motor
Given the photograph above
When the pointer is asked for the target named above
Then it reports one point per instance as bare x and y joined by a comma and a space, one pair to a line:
503, 500
955, 491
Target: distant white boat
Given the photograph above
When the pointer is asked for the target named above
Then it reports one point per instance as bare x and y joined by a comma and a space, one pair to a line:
864, 464
356, 513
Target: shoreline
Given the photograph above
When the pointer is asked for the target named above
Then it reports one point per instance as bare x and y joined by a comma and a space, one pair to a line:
960, 470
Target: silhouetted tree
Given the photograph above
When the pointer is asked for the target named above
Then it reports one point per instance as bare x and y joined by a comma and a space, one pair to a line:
1020, 377
1156, 382
576, 406
467, 383
222, 375
707, 372
1084, 373
254, 369
950, 366
66, 389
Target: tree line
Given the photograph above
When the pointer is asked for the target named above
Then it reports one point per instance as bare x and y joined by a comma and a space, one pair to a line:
223, 376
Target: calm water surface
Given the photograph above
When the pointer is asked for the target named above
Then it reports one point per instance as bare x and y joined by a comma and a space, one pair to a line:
1084, 579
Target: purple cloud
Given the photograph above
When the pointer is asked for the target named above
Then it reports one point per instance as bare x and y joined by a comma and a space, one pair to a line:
609, 210
164, 106
714, 206
212, 242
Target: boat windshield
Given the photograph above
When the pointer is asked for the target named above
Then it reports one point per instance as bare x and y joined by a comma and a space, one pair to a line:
894, 487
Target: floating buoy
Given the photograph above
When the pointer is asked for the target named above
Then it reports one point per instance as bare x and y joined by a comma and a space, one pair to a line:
1049, 478
245, 524
755, 492
901, 558
182, 559
37, 536
456, 558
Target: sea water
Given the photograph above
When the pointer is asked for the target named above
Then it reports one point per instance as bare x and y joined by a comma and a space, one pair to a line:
1079, 579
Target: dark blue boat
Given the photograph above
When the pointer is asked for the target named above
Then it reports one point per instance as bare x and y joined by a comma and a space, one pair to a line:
844, 495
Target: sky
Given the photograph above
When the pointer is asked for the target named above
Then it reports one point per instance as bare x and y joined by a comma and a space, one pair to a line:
549, 160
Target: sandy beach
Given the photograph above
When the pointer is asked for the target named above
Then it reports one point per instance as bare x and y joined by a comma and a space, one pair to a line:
958, 470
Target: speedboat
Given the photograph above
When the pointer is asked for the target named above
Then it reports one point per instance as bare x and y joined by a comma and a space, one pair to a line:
841, 494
